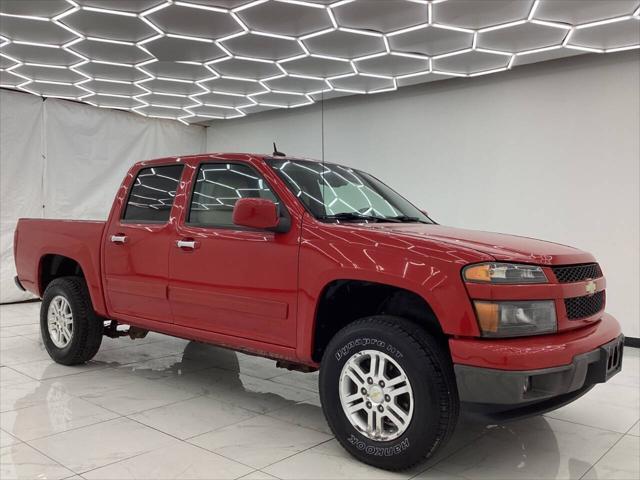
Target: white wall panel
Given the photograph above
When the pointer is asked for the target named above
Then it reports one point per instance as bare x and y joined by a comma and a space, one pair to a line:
89, 150
70, 158
548, 151
21, 168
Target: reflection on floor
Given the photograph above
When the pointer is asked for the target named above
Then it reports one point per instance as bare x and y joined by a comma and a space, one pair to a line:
167, 408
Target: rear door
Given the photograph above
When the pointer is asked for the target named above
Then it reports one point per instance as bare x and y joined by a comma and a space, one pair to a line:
229, 279
136, 250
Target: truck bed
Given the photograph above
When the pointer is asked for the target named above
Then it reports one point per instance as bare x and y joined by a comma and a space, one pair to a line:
80, 240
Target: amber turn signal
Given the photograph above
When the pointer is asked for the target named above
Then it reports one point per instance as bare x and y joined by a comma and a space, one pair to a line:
505, 273
478, 273
488, 313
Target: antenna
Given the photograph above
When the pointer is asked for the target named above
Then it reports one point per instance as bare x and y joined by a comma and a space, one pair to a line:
322, 148
276, 153
322, 125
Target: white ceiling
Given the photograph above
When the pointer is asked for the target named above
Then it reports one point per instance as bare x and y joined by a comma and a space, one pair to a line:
198, 60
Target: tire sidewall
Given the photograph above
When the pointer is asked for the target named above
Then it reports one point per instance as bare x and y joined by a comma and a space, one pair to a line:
77, 308
422, 431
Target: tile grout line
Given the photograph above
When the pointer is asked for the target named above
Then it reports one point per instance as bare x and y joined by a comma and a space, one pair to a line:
622, 435
19, 373
81, 397
465, 445
255, 416
69, 430
193, 445
128, 457
126, 415
585, 425
50, 378
297, 453
185, 440
51, 458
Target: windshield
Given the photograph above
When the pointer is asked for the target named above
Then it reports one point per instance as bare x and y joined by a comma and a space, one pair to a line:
336, 193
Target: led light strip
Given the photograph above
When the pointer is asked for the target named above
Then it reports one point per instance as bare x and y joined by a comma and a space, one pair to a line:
200, 87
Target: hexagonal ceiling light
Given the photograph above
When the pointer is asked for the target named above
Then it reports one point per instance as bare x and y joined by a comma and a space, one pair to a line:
199, 60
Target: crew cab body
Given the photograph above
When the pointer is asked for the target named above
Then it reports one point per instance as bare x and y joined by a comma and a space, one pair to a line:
283, 293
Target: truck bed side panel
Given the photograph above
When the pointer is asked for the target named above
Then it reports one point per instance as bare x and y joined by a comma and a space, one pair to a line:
78, 240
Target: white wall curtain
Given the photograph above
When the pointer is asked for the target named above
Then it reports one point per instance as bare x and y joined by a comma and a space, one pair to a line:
60, 159
21, 168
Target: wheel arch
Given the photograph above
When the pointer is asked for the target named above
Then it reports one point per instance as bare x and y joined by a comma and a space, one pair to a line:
56, 265
343, 301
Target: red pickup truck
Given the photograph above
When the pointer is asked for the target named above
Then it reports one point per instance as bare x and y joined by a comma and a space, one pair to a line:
319, 265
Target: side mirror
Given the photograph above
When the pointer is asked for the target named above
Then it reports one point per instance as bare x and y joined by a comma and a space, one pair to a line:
259, 213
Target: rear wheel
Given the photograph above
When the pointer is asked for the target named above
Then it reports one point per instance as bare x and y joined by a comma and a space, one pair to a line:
388, 392
71, 331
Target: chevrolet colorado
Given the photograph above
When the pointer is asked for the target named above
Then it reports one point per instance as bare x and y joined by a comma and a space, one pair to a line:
319, 265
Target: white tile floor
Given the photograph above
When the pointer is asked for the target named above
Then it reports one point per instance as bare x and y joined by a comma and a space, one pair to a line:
165, 408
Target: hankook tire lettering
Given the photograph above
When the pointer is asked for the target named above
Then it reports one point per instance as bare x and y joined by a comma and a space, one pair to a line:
379, 451
365, 342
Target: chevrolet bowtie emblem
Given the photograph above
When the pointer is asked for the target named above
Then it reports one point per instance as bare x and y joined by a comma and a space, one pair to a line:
590, 287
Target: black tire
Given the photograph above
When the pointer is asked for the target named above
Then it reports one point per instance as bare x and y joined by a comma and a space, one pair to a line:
430, 372
87, 326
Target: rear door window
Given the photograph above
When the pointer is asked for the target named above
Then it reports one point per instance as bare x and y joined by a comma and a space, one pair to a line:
152, 194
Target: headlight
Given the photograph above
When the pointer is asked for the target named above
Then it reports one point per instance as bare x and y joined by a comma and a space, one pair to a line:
504, 273
515, 319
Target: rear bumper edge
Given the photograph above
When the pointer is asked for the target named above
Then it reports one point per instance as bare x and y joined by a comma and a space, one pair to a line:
16, 280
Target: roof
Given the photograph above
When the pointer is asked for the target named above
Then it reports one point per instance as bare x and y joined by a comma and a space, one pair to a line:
217, 156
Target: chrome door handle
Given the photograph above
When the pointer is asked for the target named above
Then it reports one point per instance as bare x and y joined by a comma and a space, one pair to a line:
186, 244
118, 239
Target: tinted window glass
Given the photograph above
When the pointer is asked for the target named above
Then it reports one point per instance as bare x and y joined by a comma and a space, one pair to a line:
152, 194
334, 192
218, 188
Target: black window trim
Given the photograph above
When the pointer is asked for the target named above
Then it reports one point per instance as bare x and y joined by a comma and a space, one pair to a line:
283, 211
123, 212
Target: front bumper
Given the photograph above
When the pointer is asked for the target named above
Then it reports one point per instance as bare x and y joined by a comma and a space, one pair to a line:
533, 353
522, 387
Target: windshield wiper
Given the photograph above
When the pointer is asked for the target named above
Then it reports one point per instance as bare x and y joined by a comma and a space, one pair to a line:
407, 218
358, 216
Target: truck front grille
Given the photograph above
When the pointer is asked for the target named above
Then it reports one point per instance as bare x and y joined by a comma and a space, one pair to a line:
582, 307
577, 273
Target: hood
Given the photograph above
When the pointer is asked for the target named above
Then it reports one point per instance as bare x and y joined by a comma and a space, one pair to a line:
502, 247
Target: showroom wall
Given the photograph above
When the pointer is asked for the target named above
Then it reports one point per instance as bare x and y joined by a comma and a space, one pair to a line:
548, 150
60, 159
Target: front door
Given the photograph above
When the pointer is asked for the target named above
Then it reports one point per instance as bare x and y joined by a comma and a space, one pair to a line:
136, 250
229, 279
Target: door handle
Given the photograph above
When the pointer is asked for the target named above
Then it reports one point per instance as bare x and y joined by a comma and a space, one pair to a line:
189, 244
120, 239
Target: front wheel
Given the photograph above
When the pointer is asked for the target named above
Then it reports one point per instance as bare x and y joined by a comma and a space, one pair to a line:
388, 392
71, 331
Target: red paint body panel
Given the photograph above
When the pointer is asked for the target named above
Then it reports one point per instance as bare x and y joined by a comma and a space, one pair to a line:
532, 353
78, 240
237, 282
258, 290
